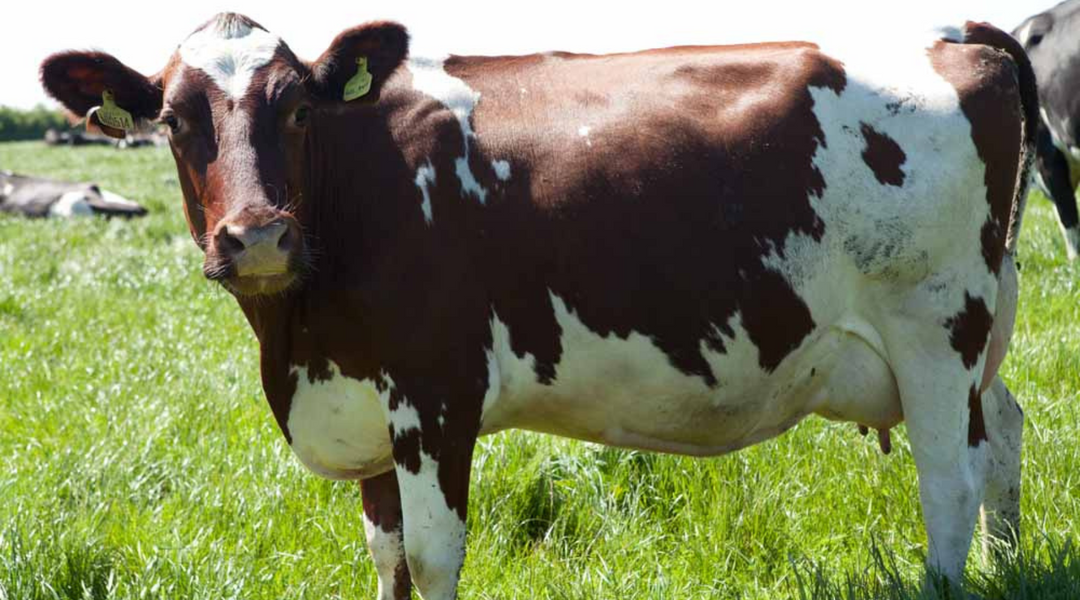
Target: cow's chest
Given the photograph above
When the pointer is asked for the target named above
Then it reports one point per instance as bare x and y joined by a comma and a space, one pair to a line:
338, 426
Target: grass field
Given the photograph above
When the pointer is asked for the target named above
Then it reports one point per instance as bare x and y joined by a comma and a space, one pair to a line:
138, 458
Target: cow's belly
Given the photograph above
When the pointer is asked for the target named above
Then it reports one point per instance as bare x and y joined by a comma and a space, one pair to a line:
624, 392
338, 426
619, 392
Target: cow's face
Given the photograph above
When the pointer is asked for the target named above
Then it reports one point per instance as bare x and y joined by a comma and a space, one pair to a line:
240, 108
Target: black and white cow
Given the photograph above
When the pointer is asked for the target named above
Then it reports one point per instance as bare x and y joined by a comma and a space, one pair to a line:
40, 197
1050, 39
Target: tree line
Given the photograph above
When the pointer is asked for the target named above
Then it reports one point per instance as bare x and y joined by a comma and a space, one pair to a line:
19, 124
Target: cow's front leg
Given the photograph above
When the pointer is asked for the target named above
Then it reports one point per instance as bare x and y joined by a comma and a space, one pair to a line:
382, 524
432, 455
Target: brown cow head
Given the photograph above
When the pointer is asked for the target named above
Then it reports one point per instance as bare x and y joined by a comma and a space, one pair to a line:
239, 105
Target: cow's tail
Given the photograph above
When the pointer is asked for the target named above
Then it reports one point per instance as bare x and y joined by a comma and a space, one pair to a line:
988, 35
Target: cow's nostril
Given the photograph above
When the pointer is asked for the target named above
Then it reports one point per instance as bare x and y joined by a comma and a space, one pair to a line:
285, 241
228, 243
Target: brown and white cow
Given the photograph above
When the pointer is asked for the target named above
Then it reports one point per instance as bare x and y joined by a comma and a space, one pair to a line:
685, 250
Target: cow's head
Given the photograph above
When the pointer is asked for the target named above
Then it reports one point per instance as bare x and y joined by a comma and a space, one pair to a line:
239, 106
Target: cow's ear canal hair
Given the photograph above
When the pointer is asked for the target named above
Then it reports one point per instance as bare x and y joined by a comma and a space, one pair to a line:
373, 49
79, 80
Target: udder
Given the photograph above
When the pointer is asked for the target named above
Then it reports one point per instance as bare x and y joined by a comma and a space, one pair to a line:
857, 384
338, 427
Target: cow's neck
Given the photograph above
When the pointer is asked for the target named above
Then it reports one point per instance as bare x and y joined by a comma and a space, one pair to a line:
351, 190
271, 320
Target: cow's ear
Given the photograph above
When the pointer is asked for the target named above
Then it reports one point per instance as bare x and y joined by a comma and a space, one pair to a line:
82, 80
358, 62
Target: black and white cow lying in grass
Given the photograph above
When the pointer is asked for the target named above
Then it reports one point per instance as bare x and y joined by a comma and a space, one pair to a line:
40, 197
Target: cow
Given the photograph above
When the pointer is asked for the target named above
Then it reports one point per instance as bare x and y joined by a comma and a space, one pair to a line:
89, 138
54, 137
1048, 39
683, 250
41, 197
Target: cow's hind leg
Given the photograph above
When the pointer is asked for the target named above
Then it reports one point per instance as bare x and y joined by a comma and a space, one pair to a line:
382, 524
1001, 504
944, 415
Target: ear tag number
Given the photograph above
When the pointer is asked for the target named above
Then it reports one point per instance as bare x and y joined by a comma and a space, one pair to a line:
360, 84
112, 115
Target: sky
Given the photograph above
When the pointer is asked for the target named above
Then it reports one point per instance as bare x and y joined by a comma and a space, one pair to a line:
143, 34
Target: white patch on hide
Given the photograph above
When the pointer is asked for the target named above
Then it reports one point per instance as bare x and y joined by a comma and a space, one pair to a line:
387, 550
434, 534
425, 176
338, 426
502, 169
430, 78
1072, 240
584, 131
72, 204
118, 200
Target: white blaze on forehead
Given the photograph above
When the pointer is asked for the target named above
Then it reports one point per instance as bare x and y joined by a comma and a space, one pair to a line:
229, 53
430, 77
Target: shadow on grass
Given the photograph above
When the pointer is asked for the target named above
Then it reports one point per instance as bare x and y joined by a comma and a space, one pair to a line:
1045, 570
70, 570
83, 569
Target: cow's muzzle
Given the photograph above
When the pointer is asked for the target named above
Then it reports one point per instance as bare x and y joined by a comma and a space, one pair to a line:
255, 257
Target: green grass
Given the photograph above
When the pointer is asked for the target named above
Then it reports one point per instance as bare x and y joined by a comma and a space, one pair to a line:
138, 458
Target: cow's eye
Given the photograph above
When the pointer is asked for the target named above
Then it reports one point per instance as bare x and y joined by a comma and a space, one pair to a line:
300, 117
172, 121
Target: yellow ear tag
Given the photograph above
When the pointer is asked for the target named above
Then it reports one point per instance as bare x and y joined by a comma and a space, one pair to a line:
360, 84
112, 115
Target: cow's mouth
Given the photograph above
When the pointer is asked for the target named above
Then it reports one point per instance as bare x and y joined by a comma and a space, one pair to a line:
260, 285
267, 282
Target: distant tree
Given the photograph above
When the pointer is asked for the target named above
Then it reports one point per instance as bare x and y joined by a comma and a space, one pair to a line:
17, 124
